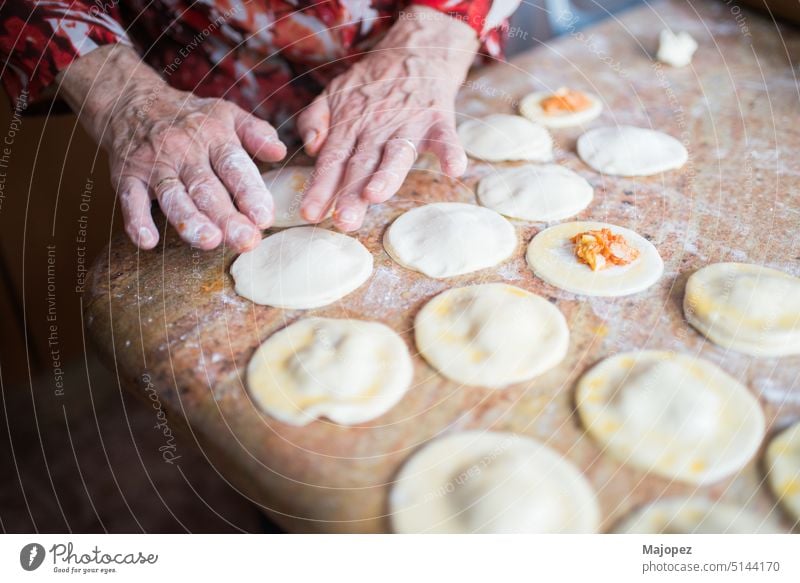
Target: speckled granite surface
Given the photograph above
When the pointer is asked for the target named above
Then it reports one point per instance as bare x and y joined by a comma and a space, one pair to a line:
171, 318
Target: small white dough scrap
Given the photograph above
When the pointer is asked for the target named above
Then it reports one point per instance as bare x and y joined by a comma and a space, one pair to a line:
783, 468
445, 239
694, 516
491, 335
301, 268
631, 151
671, 414
545, 192
486, 482
551, 256
501, 137
748, 308
531, 108
349, 371
676, 49
287, 186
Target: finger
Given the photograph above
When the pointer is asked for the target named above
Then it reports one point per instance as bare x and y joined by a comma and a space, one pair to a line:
350, 205
443, 141
259, 138
313, 125
326, 177
212, 199
181, 212
135, 204
398, 158
243, 180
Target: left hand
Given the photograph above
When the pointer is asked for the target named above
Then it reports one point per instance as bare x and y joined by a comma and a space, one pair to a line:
369, 123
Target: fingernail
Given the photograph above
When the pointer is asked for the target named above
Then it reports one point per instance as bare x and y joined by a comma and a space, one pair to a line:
311, 211
262, 215
203, 233
243, 234
377, 186
145, 237
310, 137
348, 216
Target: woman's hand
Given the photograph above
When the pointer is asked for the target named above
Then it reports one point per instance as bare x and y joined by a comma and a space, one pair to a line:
368, 124
190, 153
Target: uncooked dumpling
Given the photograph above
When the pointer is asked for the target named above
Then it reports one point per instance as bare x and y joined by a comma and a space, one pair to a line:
670, 414
500, 137
551, 255
783, 468
535, 192
287, 186
349, 371
445, 239
694, 516
300, 268
484, 482
630, 151
491, 335
748, 308
559, 109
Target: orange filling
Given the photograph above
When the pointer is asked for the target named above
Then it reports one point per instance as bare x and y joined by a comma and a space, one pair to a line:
565, 101
601, 249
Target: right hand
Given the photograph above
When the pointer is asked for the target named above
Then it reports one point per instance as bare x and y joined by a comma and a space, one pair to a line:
192, 154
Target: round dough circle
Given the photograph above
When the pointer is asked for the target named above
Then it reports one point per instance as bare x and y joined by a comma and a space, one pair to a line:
530, 107
694, 516
300, 268
491, 335
631, 151
349, 371
287, 186
783, 468
535, 193
485, 482
501, 137
445, 239
747, 308
551, 257
670, 414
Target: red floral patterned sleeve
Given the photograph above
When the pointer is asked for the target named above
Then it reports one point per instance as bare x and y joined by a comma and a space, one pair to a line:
40, 38
486, 17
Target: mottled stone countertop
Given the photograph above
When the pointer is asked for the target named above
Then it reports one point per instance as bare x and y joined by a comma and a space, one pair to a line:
171, 317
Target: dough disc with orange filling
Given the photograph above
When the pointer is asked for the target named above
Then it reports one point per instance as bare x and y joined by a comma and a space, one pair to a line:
551, 256
486, 482
783, 468
531, 108
671, 414
747, 308
349, 371
694, 516
491, 335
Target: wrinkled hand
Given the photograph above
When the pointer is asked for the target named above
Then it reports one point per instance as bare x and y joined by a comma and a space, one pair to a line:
369, 123
192, 154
